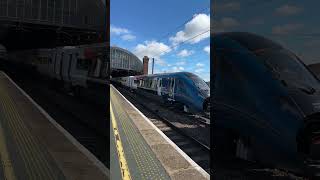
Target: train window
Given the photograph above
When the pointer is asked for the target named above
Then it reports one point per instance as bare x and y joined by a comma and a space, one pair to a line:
286, 66
144, 82
200, 84
165, 83
154, 83
97, 68
150, 83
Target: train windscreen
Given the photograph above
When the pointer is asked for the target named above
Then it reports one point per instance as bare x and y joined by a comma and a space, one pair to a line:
284, 65
200, 84
288, 68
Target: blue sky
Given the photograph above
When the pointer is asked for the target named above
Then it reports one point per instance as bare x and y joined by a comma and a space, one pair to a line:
292, 23
159, 29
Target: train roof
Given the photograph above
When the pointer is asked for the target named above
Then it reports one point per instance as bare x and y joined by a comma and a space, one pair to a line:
167, 74
104, 44
250, 41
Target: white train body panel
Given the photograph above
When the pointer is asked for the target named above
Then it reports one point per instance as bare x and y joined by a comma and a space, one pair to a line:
73, 65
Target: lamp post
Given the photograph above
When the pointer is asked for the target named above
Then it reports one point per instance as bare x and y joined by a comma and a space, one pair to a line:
152, 64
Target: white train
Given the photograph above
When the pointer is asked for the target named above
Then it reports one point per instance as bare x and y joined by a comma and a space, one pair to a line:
79, 69
129, 81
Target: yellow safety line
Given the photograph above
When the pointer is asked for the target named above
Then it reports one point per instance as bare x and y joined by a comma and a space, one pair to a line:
122, 160
6, 162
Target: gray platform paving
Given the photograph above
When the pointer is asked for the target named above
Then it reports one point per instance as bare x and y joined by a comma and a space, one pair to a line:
148, 153
33, 146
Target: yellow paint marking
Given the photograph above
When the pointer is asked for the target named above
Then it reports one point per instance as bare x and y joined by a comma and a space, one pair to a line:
122, 160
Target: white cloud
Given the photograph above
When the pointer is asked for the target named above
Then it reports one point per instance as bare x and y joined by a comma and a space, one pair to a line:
229, 6
199, 24
185, 53
128, 37
256, 21
125, 34
199, 70
152, 49
177, 69
118, 30
181, 63
224, 24
286, 29
207, 49
199, 64
287, 10
229, 22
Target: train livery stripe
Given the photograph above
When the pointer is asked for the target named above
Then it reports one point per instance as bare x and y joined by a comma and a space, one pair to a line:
122, 160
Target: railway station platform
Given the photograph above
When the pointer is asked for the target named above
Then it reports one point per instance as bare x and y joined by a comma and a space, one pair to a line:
139, 150
33, 146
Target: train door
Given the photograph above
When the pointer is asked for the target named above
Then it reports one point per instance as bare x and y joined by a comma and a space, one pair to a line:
69, 66
97, 85
72, 67
55, 64
80, 70
180, 90
51, 63
66, 66
58, 65
171, 88
159, 86
134, 83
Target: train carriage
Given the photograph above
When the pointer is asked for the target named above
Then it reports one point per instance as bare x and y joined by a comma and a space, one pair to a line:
82, 70
184, 89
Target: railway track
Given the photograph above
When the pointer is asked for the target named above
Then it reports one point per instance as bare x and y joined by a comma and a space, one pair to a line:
196, 150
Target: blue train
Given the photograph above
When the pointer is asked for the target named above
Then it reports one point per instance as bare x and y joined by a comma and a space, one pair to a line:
180, 88
266, 104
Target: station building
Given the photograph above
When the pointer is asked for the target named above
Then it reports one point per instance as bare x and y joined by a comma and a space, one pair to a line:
124, 63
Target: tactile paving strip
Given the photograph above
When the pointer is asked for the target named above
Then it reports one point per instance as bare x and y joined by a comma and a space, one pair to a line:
148, 166
22, 154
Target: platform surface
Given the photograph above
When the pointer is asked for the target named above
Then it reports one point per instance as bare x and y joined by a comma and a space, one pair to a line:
141, 151
33, 146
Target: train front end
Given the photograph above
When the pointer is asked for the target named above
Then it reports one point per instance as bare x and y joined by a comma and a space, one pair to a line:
264, 93
201, 98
